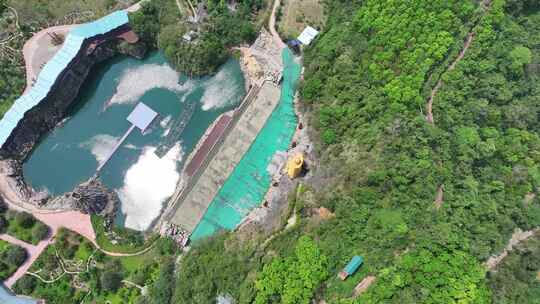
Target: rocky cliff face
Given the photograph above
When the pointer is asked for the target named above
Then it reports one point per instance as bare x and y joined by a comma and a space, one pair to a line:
12, 183
90, 197
137, 50
52, 110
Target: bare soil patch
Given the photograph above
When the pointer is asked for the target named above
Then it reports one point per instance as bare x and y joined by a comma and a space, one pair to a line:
296, 15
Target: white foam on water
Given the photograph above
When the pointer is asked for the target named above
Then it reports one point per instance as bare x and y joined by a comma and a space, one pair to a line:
100, 146
220, 90
165, 121
135, 82
166, 132
147, 184
164, 124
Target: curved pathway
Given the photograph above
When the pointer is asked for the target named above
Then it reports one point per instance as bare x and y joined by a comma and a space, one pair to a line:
429, 107
485, 4
272, 25
517, 237
72, 220
39, 49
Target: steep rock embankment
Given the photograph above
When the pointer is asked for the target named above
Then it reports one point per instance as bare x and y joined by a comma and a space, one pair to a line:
52, 110
90, 197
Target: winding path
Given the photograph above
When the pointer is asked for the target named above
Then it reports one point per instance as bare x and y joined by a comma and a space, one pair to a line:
517, 237
485, 4
38, 50
429, 107
272, 25
72, 220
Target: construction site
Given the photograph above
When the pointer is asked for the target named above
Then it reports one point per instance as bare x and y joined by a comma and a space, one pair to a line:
227, 176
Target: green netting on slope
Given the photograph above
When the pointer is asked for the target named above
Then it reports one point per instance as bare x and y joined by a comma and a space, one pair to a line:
246, 186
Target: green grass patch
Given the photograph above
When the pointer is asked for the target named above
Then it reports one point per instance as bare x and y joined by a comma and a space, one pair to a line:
23, 226
125, 240
75, 251
133, 263
11, 257
294, 16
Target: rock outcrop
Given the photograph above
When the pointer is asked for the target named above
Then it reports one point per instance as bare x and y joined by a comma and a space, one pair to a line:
13, 186
137, 50
90, 197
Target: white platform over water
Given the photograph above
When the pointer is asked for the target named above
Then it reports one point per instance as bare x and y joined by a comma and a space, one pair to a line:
141, 117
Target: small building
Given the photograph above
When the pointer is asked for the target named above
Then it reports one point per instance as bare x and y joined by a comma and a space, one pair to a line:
352, 267
142, 116
307, 35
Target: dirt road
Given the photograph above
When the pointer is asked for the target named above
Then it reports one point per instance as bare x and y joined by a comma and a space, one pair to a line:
272, 25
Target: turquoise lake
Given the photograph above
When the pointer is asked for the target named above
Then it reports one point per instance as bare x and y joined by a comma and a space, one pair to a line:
71, 153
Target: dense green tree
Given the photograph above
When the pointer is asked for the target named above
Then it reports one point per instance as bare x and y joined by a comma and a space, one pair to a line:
3, 224
15, 255
520, 57
111, 280
213, 267
293, 280
430, 275
24, 219
25, 285
39, 232
158, 24
162, 290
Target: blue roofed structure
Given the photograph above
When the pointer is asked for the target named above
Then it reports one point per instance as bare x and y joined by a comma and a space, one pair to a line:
351, 267
51, 72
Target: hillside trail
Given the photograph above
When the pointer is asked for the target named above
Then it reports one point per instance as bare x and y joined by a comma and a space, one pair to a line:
272, 25
486, 5
518, 237
435, 90
74, 221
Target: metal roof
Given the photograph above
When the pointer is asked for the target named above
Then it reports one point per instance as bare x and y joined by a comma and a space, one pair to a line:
307, 35
54, 68
354, 264
142, 116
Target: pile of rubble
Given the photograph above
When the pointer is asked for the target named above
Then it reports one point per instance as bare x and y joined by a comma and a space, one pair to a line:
179, 235
264, 58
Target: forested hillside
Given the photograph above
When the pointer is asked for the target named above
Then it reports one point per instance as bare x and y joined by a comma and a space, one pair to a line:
425, 202
517, 279
425, 120
163, 25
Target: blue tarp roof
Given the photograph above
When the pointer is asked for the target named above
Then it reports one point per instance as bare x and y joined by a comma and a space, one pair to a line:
354, 264
54, 68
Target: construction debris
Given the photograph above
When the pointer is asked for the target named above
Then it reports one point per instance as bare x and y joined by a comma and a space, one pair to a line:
363, 285
179, 235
